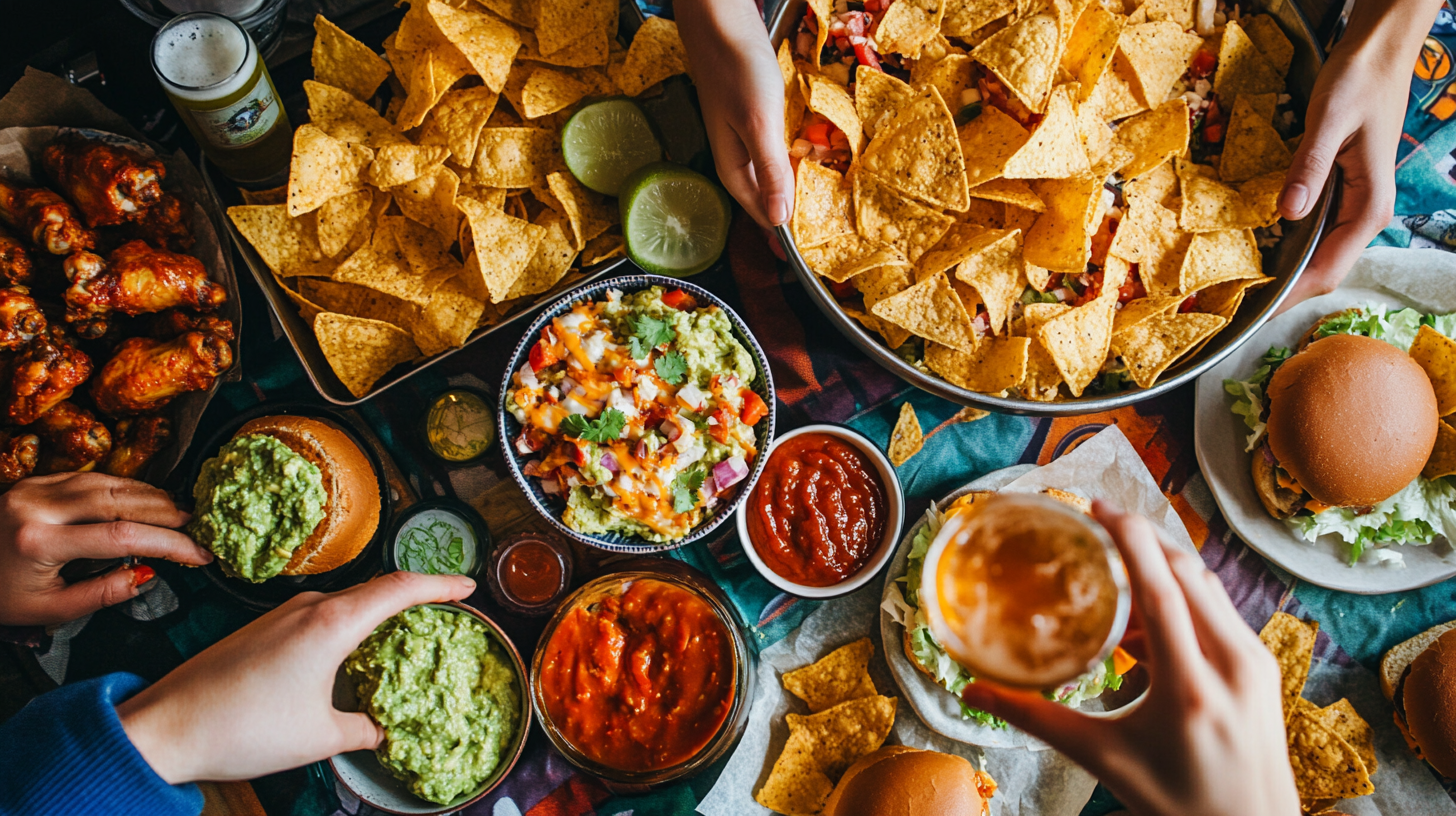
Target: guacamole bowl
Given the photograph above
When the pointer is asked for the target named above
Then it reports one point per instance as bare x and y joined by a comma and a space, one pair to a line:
671, 419
363, 774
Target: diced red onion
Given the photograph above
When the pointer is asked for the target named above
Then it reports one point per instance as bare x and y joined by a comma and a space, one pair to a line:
550, 487
523, 445
610, 462
641, 451
528, 376
730, 472
710, 486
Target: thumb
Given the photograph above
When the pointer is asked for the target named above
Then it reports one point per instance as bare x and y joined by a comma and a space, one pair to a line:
83, 598
1074, 734
764, 138
356, 732
1310, 168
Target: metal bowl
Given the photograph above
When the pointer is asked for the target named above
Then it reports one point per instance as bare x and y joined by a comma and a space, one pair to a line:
551, 507
1284, 263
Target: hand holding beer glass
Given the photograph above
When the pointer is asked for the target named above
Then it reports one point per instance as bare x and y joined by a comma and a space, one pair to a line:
1026, 594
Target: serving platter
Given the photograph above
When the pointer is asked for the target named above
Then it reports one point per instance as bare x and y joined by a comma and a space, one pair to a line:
1284, 262
1219, 441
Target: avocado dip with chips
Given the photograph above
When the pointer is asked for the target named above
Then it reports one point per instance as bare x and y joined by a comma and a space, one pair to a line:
446, 695
257, 501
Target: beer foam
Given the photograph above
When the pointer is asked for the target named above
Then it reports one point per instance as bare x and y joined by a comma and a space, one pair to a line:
203, 58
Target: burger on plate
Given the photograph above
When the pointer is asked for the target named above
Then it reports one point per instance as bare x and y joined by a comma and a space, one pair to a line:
1340, 431
927, 655
287, 495
1419, 678
901, 781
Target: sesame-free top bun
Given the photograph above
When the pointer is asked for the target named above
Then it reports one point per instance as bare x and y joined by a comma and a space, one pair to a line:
1429, 692
351, 513
901, 781
1353, 419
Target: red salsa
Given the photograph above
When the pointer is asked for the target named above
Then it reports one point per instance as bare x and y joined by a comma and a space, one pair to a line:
640, 680
531, 572
818, 511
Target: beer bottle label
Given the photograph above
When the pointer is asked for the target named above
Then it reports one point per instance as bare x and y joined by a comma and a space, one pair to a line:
244, 121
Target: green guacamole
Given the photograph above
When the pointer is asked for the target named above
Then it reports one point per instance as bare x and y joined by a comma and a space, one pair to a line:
446, 696
257, 501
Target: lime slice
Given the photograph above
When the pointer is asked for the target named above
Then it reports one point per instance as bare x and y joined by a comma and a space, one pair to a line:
675, 220
606, 141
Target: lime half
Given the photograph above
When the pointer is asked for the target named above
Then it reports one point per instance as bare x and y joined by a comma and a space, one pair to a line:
606, 141
675, 220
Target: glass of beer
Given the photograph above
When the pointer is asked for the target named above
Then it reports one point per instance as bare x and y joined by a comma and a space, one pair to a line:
211, 70
1025, 591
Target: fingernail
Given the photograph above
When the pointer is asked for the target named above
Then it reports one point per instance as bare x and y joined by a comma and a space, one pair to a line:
470, 583
778, 210
142, 574
1294, 198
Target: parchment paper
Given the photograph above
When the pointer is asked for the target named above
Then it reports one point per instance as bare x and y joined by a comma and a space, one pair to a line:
30, 115
1032, 782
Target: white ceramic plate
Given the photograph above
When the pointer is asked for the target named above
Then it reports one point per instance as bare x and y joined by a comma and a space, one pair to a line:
1219, 438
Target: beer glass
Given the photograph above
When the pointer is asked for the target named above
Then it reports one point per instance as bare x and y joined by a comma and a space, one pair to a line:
1025, 591
212, 72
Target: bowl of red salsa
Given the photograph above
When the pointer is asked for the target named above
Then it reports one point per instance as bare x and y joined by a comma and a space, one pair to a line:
824, 517
644, 677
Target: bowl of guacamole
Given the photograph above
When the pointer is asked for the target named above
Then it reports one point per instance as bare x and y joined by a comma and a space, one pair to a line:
447, 687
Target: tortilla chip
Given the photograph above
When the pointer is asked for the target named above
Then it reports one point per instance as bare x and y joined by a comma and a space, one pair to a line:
431, 74
1152, 345
884, 216
322, 167
824, 18
838, 677
1078, 341
1091, 48
877, 96
877, 284
339, 114
1291, 641
1159, 54
520, 12
1024, 57
1098, 141
385, 270
448, 319
1059, 238
587, 211
1442, 461
547, 91
559, 23
822, 205
909, 25
1159, 185
360, 351
457, 119
952, 75
1211, 205
997, 364
829, 98
590, 50
1118, 94
1055, 148
552, 259
1266, 35
1135, 312
344, 62
399, 163
988, 142
504, 246
1436, 353
906, 440
424, 250
1342, 719
430, 200
1215, 257
1324, 764
516, 158
1224, 299
1242, 69
918, 153
1015, 192
845, 256
340, 218
963, 18
1252, 147
288, 245
821, 747
358, 301
1149, 236
1154, 137
995, 270
656, 53
930, 309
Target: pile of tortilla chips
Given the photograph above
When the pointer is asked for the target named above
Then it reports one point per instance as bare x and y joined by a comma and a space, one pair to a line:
848, 720
956, 213
410, 230
1331, 749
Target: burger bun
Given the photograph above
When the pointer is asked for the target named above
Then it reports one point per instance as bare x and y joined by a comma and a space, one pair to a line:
901, 781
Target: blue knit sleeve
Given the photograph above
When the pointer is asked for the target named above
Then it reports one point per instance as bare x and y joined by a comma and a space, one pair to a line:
65, 753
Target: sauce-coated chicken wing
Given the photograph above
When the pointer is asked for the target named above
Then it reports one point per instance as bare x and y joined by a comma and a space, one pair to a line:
133, 444
71, 439
47, 372
14, 259
44, 218
146, 374
164, 224
136, 279
110, 184
169, 324
21, 319
19, 452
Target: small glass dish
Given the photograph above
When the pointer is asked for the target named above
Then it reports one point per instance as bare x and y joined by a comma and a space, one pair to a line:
438, 537
459, 426
676, 574
530, 572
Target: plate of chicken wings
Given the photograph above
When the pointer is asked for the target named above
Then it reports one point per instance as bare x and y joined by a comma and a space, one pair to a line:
118, 304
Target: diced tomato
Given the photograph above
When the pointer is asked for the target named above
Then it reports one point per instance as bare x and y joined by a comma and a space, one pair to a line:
680, 300
719, 429
1101, 240
1133, 289
867, 57
854, 23
811, 21
1189, 304
542, 356
754, 408
1214, 122
578, 454
1203, 64
533, 438
816, 132
876, 6
844, 290
1213, 134
1091, 287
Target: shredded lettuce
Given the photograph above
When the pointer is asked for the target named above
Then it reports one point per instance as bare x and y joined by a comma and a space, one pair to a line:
1249, 394
1417, 514
1397, 328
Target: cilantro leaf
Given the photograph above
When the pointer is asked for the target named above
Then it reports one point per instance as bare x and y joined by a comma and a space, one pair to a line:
649, 333
671, 367
604, 428
685, 489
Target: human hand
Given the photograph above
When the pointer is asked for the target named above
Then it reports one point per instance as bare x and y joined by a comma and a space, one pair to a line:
1354, 120
742, 95
261, 700
48, 521
1212, 715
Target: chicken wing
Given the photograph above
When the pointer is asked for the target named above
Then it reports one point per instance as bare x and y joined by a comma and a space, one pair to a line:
146, 374
110, 184
164, 224
19, 451
44, 218
134, 443
136, 279
14, 259
71, 439
20, 319
167, 325
46, 373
